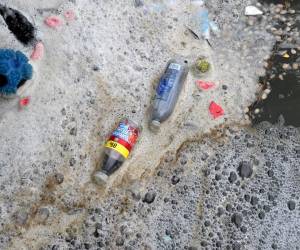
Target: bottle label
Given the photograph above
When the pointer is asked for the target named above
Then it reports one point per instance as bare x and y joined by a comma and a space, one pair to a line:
167, 81
118, 147
123, 138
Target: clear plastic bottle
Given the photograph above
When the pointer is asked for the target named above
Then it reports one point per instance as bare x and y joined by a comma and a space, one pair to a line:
168, 91
117, 149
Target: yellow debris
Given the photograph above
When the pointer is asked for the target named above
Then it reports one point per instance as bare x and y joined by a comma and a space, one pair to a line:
286, 55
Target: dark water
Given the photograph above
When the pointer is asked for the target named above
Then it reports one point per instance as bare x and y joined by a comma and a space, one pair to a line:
284, 98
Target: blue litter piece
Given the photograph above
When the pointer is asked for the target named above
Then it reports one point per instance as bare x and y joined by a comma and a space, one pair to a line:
204, 23
14, 69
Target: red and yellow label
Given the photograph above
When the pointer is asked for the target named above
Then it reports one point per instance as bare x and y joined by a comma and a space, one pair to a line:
118, 147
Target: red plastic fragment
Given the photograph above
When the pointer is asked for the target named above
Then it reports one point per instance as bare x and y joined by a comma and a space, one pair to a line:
53, 21
215, 110
24, 102
38, 51
205, 85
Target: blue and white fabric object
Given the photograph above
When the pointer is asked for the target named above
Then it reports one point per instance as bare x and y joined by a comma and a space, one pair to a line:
14, 71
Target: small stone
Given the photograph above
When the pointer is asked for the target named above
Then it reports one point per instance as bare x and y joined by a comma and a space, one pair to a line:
63, 111
42, 214
243, 229
207, 223
270, 173
237, 219
291, 205
267, 91
72, 162
220, 211
245, 169
264, 96
73, 131
138, 3
175, 180
203, 243
87, 245
285, 66
149, 197
254, 201
59, 178
271, 197
274, 246
21, 217
295, 66
280, 147
293, 51
236, 246
228, 208
261, 215
96, 68
120, 241
266, 208
247, 197
218, 177
232, 177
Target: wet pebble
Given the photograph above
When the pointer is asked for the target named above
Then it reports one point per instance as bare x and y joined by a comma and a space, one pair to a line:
120, 241
243, 229
73, 131
175, 180
72, 162
138, 3
232, 177
237, 219
291, 205
59, 178
149, 197
254, 201
245, 169
42, 214
21, 217
261, 215
270, 173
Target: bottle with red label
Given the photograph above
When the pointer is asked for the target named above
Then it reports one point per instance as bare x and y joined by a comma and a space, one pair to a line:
118, 148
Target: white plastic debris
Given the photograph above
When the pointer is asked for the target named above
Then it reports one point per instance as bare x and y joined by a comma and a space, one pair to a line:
252, 11
200, 22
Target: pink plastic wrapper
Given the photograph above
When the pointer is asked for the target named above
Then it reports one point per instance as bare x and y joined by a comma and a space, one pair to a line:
24, 102
215, 110
53, 21
38, 51
205, 85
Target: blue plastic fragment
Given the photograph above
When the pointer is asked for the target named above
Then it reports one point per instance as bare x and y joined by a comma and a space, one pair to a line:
14, 68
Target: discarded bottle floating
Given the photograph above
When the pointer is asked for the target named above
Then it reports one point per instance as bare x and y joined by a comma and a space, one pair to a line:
18, 24
168, 91
117, 149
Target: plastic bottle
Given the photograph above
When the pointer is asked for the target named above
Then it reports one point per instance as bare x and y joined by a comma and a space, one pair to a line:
117, 149
167, 92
